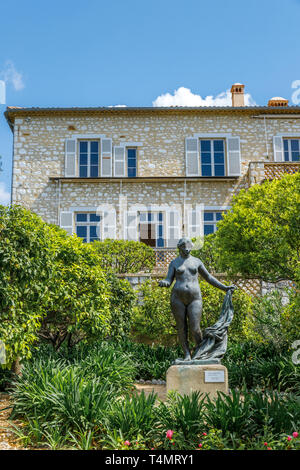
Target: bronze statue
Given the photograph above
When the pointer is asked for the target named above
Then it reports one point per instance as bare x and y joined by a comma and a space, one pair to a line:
186, 305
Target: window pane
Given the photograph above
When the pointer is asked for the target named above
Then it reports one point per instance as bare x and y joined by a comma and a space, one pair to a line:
81, 231
83, 147
295, 145
160, 231
206, 170
94, 159
205, 145
160, 216
218, 145
208, 216
131, 153
219, 170
205, 158
94, 218
286, 144
83, 172
94, 230
219, 158
83, 159
208, 229
295, 156
94, 171
219, 215
81, 217
131, 172
286, 156
94, 147
160, 242
143, 217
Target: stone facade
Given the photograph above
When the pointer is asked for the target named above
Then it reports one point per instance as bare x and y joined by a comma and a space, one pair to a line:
39, 180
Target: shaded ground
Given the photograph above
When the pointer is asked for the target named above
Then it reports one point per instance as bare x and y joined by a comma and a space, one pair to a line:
7, 439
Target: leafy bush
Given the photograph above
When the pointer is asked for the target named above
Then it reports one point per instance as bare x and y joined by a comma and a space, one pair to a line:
153, 318
260, 236
125, 256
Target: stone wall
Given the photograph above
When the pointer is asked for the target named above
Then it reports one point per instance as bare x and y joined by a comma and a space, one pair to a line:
39, 153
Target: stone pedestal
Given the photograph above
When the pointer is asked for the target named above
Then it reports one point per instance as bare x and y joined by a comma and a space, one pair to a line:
206, 378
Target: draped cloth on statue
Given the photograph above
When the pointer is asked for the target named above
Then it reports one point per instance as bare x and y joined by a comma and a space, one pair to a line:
214, 343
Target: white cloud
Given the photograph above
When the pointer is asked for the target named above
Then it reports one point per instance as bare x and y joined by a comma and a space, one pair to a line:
184, 97
10, 75
4, 195
118, 106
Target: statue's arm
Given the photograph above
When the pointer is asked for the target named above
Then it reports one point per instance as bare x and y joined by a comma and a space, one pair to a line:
170, 276
211, 279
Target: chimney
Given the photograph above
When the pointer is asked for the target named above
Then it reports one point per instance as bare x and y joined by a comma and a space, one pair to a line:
238, 95
278, 101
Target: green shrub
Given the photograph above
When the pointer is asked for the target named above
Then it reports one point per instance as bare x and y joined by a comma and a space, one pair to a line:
153, 318
125, 256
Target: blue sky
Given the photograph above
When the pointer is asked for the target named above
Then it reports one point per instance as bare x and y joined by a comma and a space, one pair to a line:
100, 53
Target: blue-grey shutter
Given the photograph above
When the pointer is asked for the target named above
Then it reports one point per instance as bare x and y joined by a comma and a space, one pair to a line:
278, 148
67, 221
174, 228
119, 161
70, 158
106, 157
131, 225
109, 224
233, 156
192, 156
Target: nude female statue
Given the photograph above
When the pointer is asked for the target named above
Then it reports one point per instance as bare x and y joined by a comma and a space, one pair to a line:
186, 300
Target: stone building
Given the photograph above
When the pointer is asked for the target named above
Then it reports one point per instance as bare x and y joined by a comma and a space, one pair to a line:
149, 174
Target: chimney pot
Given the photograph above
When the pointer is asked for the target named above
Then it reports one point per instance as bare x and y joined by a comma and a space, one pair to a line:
238, 95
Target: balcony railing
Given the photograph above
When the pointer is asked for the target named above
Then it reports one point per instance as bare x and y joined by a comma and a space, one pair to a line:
277, 169
261, 171
163, 258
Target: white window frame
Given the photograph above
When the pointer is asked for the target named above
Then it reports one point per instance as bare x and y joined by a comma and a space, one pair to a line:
214, 221
89, 156
289, 139
156, 222
131, 147
89, 224
212, 139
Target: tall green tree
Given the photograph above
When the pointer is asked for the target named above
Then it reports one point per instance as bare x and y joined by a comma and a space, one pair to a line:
260, 236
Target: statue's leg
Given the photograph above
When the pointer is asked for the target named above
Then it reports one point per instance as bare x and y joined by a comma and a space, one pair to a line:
179, 312
194, 311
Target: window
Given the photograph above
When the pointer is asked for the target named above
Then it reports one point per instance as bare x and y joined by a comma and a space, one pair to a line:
152, 229
210, 221
88, 158
291, 149
131, 162
88, 226
212, 157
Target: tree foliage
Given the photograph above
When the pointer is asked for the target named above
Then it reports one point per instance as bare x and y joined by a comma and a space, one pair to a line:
260, 236
52, 286
125, 256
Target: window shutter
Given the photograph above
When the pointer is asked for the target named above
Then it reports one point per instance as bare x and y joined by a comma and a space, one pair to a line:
174, 228
109, 224
233, 156
278, 148
119, 161
194, 217
131, 226
70, 157
192, 156
106, 157
66, 221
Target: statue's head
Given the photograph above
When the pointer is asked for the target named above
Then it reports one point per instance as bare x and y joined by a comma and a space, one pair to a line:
185, 246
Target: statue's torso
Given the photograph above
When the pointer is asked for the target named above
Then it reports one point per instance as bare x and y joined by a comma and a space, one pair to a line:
186, 286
